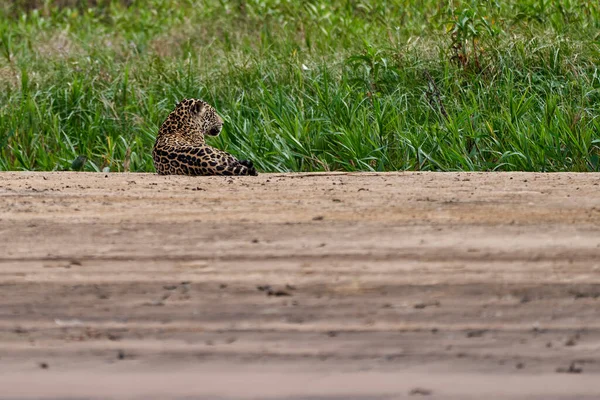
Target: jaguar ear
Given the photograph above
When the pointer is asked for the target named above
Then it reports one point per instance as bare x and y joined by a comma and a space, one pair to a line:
197, 106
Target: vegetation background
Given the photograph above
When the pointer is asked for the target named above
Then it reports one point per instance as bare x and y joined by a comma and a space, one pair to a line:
308, 85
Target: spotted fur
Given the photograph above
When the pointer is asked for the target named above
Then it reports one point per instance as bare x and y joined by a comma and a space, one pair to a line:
180, 148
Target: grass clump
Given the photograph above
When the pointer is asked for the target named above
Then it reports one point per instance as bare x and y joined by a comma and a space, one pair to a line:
305, 86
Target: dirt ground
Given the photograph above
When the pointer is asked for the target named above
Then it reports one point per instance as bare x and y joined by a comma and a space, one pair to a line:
300, 286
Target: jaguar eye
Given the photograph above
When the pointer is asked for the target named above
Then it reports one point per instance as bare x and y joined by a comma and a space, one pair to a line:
214, 131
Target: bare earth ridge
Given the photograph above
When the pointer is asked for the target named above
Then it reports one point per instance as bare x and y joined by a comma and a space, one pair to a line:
300, 286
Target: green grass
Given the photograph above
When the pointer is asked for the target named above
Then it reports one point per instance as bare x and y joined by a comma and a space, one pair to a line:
306, 86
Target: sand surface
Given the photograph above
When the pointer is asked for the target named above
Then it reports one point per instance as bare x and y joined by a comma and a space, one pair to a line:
300, 286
